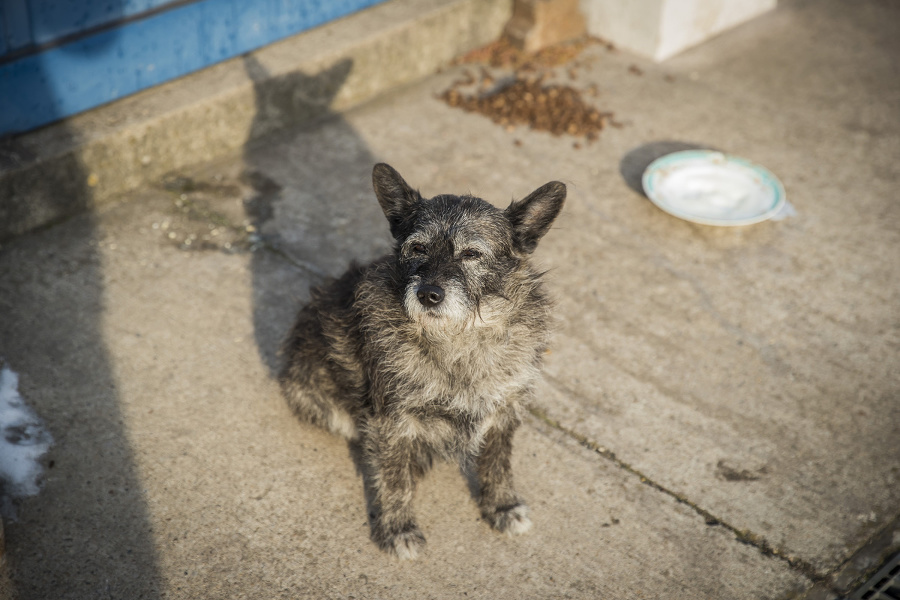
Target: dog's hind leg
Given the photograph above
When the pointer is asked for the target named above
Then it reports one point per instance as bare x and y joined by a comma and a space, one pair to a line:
310, 392
308, 378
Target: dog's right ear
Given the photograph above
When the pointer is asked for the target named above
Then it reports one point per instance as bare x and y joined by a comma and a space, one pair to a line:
531, 217
394, 195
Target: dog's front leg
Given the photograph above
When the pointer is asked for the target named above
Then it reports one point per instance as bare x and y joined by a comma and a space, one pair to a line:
397, 468
500, 505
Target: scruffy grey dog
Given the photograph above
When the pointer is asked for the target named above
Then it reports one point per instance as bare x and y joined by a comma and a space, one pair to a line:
429, 352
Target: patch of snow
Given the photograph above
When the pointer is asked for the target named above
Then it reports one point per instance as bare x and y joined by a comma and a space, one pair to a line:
23, 440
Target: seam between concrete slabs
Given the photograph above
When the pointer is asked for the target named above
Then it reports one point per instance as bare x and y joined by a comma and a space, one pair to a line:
821, 580
743, 536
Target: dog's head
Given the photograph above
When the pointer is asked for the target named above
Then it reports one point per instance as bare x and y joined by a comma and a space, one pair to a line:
457, 254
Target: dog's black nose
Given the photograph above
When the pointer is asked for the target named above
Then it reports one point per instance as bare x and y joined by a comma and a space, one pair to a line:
430, 295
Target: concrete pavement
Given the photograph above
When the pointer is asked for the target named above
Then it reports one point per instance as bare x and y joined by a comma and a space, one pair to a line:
720, 414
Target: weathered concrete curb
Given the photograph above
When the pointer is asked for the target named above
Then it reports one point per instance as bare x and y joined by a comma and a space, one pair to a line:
84, 161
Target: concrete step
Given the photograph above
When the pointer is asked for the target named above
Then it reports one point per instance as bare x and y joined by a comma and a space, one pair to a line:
79, 163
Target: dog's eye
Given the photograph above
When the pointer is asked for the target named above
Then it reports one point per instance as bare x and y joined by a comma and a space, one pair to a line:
470, 253
418, 249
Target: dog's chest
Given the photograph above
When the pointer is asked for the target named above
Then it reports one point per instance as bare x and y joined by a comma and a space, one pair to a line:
448, 432
471, 374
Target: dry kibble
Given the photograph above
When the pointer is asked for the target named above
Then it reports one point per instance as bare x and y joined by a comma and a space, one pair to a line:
558, 109
527, 99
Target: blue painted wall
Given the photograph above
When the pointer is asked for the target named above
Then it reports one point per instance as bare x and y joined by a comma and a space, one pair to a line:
51, 20
61, 57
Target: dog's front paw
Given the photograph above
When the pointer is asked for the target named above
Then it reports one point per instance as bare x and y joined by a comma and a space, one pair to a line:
406, 545
511, 520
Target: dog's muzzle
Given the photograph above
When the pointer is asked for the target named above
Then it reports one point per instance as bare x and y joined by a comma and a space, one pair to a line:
430, 295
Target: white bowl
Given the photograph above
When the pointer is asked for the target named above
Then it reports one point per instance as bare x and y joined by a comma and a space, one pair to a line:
712, 188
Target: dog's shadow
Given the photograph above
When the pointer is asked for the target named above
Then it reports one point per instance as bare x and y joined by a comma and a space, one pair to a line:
312, 210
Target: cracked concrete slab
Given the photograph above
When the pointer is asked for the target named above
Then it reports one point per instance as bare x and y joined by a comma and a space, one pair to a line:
746, 375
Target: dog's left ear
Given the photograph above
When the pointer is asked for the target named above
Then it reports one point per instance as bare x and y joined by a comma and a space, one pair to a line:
532, 217
394, 195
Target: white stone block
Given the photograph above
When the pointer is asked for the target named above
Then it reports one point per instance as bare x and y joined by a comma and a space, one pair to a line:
662, 28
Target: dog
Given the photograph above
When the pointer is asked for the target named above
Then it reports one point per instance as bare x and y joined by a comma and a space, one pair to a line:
430, 352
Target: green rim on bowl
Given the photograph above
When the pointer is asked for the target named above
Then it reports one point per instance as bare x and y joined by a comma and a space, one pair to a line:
708, 187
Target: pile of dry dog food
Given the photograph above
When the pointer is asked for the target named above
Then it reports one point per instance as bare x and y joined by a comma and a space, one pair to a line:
525, 99
558, 109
